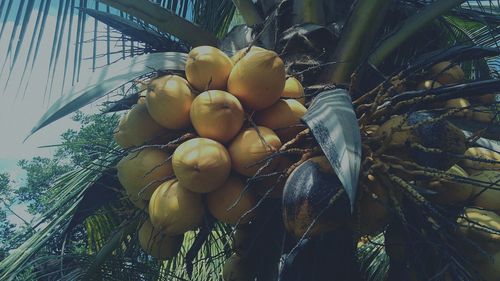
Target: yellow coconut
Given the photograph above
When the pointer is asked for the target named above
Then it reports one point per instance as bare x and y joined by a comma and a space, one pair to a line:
207, 68
428, 84
474, 225
459, 103
217, 115
168, 100
142, 172
257, 79
237, 268
252, 146
243, 52
293, 89
220, 202
445, 73
174, 210
481, 153
487, 196
158, 244
451, 191
201, 165
137, 128
282, 117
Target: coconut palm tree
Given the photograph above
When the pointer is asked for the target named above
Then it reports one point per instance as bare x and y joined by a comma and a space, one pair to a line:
372, 52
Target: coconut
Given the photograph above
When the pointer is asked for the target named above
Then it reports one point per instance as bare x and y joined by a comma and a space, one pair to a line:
451, 191
137, 128
252, 146
474, 225
257, 79
201, 165
243, 52
237, 268
459, 103
293, 89
168, 100
174, 210
282, 117
487, 196
142, 172
481, 153
208, 68
445, 73
217, 115
394, 131
220, 202
428, 84
158, 244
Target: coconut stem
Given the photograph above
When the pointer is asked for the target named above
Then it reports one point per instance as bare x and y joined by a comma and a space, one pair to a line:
356, 39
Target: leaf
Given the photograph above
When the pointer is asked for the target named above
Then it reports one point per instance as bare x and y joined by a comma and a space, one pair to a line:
108, 79
333, 123
136, 31
165, 21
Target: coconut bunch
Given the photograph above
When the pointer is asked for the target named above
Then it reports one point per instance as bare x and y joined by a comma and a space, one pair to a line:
422, 173
196, 143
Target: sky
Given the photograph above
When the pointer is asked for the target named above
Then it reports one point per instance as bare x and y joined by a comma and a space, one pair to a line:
18, 115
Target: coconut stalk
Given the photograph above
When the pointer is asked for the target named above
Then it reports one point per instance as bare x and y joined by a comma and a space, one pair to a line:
248, 11
356, 39
165, 21
413, 24
309, 11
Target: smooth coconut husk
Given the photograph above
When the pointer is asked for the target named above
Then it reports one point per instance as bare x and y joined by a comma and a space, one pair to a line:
483, 153
201, 165
217, 115
168, 101
243, 52
237, 268
137, 128
141, 172
428, 84
157, 244
208, 68
444, 74
487, 196
450, 192
248, 148
257, 79
175, 210
283, 117
459, 103
474, 225
293, 89
220, 202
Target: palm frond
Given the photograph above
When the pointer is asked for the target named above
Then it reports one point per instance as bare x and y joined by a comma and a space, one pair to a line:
67, 193
88, 34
